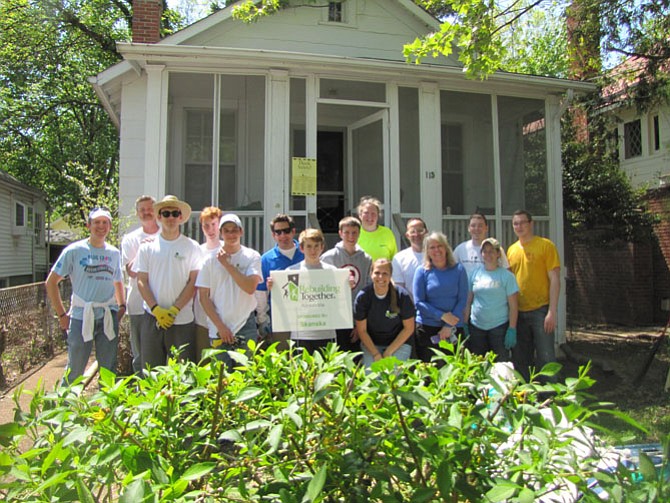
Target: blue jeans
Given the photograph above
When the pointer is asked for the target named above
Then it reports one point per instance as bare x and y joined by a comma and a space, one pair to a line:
534, 347
402, 353
79, 351
482, 341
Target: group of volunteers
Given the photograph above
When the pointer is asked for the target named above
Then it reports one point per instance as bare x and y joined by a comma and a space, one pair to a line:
181, 294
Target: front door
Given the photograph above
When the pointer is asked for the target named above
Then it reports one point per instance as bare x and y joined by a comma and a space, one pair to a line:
368, 147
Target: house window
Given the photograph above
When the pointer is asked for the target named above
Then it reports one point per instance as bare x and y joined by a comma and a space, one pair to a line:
198, 158
39, 229
452, 168
632, 138
335, 12
656, 134
19, 215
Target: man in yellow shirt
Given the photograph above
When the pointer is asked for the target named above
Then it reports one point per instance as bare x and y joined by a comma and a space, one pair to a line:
535, 263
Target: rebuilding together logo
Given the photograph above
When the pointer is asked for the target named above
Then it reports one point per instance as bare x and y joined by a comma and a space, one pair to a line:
295, 292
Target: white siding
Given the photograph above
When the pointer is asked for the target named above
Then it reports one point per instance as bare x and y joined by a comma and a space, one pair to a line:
378, 30
131, 154
645, 170
18, 252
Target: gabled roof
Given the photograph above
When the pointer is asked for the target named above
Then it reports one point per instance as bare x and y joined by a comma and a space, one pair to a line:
191, 31
6, 178
299, 41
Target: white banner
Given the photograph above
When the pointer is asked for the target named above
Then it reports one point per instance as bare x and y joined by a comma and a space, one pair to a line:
318, 299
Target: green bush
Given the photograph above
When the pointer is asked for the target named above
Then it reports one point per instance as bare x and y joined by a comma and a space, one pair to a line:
311, 428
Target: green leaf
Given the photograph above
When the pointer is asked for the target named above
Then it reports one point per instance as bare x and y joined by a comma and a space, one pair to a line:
550, 369
5, 459
248, 393
526, 496
323, 380
413, 396
232, 435
54, 480
55, 453
316, 485
198, 471
134, 492
79, 435
444, 479
647, 468
423, 495
455, 416
9, 431
83, 492
274, 438
501, 492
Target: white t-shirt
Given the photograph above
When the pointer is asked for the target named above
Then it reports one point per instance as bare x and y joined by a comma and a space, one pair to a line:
169, 264
130, 244
405, 263
471, 256
312, 335
233, 305
199, 313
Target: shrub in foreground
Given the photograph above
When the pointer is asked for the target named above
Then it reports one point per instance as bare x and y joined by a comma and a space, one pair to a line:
312, 428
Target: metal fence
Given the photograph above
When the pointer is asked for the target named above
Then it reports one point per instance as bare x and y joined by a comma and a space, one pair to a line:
29, 331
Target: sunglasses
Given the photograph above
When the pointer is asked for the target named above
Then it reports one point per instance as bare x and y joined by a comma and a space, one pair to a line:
279, 232
170, 213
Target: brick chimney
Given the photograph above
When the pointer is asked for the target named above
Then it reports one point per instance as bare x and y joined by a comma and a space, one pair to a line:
147, 21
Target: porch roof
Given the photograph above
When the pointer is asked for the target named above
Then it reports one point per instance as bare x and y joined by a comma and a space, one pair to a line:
199, 59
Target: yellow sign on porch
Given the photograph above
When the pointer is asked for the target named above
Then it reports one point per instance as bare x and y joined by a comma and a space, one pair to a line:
303, 182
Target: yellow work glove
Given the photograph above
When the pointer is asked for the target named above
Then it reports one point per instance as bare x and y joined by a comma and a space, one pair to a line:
163, 318
173, 311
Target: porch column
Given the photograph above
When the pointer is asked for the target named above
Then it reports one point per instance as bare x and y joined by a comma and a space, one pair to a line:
277, 132
430, 155
155, 132
555, 193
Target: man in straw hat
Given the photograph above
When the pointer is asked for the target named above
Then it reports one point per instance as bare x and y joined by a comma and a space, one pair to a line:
97, 304
166, 271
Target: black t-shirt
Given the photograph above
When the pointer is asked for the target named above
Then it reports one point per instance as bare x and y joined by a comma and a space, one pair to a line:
383, 325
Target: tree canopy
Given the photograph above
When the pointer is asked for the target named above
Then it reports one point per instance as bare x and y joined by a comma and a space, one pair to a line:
54, 133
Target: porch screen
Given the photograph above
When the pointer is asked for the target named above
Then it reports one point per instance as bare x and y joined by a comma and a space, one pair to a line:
468, 183
198, 158
523, 155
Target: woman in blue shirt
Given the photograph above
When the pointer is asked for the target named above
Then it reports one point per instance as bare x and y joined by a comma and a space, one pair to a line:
440, 294
493, 305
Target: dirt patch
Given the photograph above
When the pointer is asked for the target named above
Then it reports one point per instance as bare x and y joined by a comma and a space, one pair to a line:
619, 356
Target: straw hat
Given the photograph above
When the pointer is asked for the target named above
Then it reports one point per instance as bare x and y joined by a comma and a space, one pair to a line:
173, 202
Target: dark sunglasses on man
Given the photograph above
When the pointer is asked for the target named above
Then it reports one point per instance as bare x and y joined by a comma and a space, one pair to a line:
279, 232
170, 213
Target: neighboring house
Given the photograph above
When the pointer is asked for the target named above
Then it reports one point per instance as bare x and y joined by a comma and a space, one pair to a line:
643, 138
216, 112
59, 236
23, 248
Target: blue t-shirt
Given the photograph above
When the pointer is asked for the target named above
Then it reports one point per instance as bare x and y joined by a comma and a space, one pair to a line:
439, 291
275, 260
92, 272
383, 325
490, 290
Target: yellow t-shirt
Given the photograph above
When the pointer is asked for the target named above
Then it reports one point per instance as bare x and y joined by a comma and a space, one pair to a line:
531, 264
378, 244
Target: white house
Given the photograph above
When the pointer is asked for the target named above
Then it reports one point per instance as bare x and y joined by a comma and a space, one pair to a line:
643, 138
216, 112
23, 248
